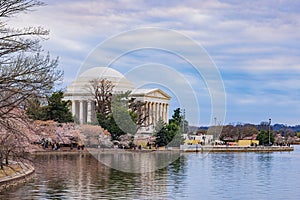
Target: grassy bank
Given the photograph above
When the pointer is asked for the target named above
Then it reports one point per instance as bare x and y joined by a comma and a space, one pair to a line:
10, 170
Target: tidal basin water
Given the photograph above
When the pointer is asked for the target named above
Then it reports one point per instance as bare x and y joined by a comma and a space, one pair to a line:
192, 176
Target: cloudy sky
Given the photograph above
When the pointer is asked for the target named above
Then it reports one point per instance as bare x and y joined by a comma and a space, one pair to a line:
253, 44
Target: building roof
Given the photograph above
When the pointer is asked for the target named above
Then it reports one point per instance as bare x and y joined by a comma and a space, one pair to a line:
101, 72
150, 92
82, 83
143, 91
80, 87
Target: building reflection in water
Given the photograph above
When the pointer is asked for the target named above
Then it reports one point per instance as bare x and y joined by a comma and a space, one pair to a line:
218, 176
135, 161
81, 176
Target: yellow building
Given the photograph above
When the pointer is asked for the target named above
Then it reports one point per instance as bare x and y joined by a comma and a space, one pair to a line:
191, 142
248, 142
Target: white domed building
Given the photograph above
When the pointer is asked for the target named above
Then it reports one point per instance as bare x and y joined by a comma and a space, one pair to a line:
83, 102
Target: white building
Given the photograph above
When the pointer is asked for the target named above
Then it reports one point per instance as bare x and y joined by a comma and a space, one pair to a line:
83, 102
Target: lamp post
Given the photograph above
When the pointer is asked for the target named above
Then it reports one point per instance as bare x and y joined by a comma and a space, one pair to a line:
269, 131
215, 131
183, 120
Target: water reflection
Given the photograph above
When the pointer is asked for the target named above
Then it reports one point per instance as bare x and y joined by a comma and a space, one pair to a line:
177, 177
135, 161
191, 176
83, 177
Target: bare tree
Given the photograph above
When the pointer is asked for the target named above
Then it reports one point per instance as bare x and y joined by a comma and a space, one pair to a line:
15, 40
139, 108
26, 72
102, 90
11, 7
126, 108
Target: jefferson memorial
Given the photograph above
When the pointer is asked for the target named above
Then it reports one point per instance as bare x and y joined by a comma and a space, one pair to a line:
83, 102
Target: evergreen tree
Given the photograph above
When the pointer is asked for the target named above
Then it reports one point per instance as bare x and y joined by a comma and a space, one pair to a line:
169, 134
263, 137
56, 109
175, 136
179, 120
36, 111
121, 119
161, 133
176, 117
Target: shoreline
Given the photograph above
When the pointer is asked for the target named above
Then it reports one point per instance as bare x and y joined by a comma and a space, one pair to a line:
222, 149
18, 178
183, 149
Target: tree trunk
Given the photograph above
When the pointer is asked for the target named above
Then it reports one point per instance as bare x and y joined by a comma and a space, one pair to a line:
6, 160
1, 161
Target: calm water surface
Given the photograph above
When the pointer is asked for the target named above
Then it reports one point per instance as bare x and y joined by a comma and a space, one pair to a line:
217, 176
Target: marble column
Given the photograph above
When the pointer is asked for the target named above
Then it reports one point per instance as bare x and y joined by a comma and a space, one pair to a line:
151, 114
89, 112
167, 112
81, 113
155, 113
163, 112
147, 114
73, 108
159, 110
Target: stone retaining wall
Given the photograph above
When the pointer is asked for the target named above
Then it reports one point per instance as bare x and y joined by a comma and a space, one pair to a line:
18, 178
199, 148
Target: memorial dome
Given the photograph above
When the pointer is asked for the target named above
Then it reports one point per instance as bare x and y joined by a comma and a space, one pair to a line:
83, 82
101, 72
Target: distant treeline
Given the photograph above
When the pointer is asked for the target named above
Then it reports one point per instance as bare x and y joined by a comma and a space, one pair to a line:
277, 127
242, 131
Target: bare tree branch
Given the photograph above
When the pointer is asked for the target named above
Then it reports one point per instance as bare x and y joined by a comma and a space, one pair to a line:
12, 7
25, 73
102, 90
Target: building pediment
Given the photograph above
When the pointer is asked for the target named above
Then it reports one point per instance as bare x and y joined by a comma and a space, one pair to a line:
158, 94
151, 93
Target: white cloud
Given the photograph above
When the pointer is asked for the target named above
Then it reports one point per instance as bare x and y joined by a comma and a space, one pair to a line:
258, 39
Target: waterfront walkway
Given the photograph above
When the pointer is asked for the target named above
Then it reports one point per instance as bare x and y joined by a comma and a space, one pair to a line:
16, 178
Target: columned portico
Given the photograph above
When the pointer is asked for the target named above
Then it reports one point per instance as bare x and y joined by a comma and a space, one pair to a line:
156, 104
83, 102
83, 110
